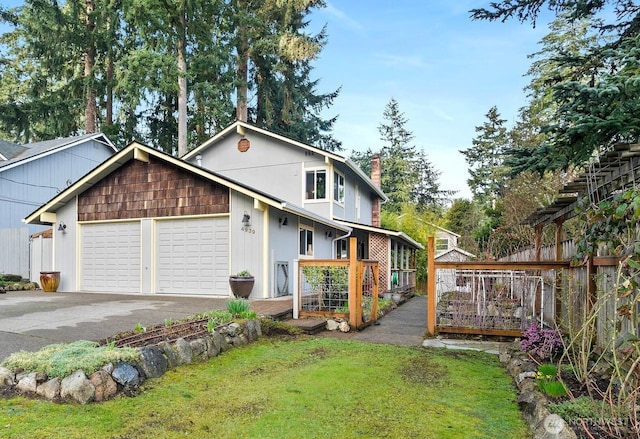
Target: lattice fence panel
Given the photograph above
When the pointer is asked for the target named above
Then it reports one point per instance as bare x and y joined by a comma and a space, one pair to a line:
379, 251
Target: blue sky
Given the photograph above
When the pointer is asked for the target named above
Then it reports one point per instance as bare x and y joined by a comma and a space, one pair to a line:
444, 70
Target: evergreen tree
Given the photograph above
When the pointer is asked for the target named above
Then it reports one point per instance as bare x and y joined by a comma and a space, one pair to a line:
486, 159
160, 72
397, 156
594, 72
408, 177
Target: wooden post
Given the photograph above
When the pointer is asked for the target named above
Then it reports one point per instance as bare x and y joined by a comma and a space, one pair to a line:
353, 288
558, 255
431, 287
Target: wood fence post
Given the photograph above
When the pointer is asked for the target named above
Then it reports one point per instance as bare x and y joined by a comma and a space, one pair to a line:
353, 288
431, 287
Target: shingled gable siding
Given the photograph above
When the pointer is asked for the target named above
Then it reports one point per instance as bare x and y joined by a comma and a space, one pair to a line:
151, 190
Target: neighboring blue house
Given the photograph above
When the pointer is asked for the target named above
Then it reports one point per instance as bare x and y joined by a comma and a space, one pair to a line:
32, 174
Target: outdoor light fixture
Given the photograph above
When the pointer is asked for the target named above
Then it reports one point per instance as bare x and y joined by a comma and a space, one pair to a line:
62, 227
328, 234
246, 219
283, 220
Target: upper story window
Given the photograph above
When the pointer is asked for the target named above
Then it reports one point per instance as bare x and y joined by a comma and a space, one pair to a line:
316, 184
442, 244
338, 187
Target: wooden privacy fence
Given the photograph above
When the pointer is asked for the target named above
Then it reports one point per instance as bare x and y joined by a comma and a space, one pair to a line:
491, 298
342, 288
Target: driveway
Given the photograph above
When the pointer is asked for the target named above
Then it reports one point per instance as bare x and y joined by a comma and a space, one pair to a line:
30, 320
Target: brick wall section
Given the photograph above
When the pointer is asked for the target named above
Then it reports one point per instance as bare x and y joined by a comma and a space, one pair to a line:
376, 176
150, 190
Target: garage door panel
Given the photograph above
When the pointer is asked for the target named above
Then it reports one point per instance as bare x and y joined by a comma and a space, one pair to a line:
110, 259
187, 250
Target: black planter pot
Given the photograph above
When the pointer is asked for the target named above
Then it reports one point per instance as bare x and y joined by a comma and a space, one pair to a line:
241, 286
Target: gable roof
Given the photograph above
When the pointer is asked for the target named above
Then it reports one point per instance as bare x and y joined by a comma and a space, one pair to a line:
241, 128
9, 150
33, 151
138, 151
455, 250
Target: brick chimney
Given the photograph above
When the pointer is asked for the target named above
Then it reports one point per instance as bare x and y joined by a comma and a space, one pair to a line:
375, 202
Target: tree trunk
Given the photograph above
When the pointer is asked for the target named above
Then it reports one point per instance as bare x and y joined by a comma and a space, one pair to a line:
182, 87
241, 95
90, 113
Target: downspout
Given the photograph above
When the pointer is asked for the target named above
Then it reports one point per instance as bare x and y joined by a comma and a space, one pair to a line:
333, 243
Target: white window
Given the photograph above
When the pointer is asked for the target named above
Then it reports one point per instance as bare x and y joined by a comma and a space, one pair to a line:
338, 187
442, 244
316, 184
306, 242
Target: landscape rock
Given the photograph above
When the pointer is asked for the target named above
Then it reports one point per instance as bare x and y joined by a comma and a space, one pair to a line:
522, 375
344, 327
27, 383
217, 339
198, 349
153, 363
183, 349
232, 329
332, 325
252, 330
126, 375
213, 349
105, 386
77, 387
7, 377
49, 389
170, 353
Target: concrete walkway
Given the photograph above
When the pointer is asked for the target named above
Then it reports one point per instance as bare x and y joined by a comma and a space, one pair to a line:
404, 326
407, 326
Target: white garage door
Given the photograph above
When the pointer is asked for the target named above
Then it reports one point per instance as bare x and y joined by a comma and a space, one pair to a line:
110, 260
192, 256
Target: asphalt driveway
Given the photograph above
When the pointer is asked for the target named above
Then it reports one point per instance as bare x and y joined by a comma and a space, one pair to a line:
30, 320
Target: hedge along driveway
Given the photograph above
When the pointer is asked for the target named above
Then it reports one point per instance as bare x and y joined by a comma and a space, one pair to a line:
305, 388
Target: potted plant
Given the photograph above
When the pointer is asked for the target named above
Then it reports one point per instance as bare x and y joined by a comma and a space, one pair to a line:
241, 284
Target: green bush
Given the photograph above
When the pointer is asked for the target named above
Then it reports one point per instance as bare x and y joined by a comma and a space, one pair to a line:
239, 308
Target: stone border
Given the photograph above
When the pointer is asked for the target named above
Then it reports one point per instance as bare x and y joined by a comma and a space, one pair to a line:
154, 361
533, 403
27, 286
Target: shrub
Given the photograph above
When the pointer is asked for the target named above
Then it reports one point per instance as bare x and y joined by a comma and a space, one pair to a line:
239, 308
540, 343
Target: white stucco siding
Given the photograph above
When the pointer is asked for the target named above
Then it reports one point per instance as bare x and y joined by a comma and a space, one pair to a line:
110, 257
192, 256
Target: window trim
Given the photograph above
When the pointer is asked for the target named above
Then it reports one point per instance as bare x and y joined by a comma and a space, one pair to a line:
306, 229
337, 176
440, 243
315, 172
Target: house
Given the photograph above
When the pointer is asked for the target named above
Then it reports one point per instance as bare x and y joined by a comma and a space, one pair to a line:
321, 182
146, 222
447, 250
32, 174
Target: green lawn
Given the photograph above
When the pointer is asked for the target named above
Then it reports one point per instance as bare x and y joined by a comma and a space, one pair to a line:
305, 388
